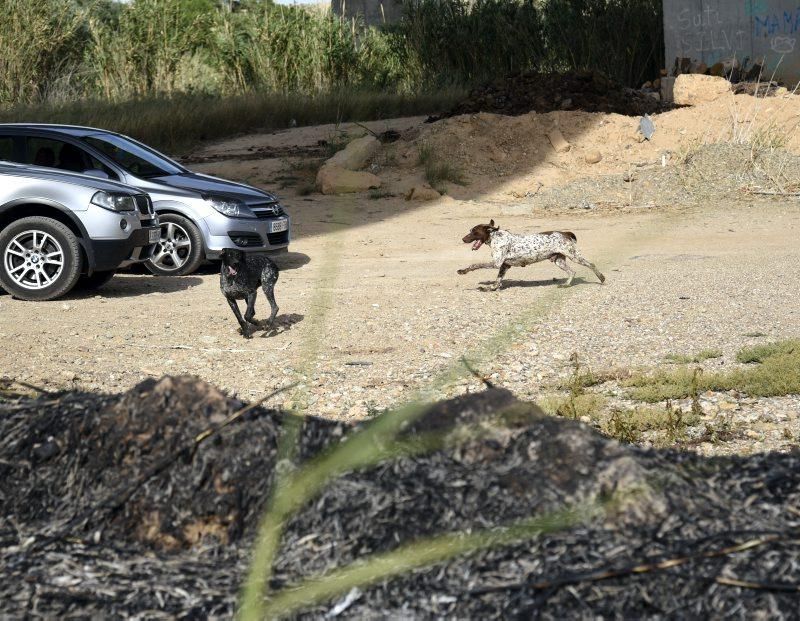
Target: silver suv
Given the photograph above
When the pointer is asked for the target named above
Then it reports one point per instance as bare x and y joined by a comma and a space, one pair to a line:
58, 227
200, 215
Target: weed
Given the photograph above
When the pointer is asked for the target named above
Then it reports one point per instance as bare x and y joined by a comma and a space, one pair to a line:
760, 353
577, 403
621, 427
777, 372
706, 354
437, 171
574, 407
377, 194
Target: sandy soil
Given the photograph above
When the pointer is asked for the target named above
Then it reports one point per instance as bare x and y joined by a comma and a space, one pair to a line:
373, 312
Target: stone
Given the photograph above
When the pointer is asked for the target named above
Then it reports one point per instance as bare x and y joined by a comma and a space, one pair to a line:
558, 141
422, 192
332, 179
592, 157
690, 90
496, 154
356, 154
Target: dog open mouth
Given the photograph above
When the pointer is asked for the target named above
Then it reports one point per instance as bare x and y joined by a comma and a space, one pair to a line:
231, 271
477, 244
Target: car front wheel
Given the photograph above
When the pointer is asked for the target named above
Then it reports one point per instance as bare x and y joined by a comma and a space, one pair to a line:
40, 259
179, 251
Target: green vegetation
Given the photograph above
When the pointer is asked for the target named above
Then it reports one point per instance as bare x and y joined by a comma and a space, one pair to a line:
63, 50
760, 353
706, 354
776, 372
666, 425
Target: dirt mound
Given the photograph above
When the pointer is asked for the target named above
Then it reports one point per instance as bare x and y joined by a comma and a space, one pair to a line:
547, 92
66, 551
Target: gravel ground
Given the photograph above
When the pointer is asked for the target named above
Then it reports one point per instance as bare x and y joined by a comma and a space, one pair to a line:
391, 315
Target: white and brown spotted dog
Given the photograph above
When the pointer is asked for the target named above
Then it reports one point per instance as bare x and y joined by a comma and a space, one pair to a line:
520, 250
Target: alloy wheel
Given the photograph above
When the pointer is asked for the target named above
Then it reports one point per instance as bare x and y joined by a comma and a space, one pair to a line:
34, 259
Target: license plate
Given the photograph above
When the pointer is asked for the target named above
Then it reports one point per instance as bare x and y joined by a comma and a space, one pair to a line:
278, 226
155, 235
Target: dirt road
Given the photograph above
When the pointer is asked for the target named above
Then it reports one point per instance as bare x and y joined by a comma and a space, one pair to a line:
372, 309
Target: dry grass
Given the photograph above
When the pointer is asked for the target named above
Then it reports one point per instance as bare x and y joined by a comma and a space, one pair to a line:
438, 171
175, 124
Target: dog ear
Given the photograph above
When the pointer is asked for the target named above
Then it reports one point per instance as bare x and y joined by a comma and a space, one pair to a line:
491, 222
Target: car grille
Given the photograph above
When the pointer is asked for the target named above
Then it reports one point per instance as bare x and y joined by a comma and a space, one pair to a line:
270, 209
144, 204
246, 240
276, 239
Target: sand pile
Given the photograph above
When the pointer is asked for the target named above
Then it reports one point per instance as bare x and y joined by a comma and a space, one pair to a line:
512, 157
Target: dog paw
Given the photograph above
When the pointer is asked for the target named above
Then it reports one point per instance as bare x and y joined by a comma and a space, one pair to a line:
488, 288
462, 272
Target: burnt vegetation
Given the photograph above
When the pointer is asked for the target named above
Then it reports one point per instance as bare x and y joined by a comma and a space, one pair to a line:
147, 503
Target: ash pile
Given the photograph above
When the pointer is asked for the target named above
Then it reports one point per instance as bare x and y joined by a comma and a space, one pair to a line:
546, 92
105, 513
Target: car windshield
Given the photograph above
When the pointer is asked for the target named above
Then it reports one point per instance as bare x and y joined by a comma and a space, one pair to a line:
132, 157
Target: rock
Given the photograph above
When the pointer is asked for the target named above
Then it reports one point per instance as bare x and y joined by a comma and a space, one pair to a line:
690, 90
496, 154
558, 141
422, 192
356, 154
332, 179
700, 68
592, 157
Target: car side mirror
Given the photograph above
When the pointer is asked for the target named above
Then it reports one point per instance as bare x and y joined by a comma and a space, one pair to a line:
96, 172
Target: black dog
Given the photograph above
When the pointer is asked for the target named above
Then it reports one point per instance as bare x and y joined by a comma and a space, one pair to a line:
239, 278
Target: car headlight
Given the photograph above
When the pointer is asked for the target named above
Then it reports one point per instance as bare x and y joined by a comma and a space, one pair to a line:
113, 201
230, 207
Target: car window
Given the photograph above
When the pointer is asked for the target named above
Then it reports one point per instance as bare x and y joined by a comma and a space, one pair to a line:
132, 157
7, 148
64, 155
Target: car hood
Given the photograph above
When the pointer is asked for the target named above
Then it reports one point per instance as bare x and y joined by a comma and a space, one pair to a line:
50, 174
205, 184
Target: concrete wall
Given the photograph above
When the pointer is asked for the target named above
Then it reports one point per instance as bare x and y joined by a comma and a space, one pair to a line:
711, 31
375, 12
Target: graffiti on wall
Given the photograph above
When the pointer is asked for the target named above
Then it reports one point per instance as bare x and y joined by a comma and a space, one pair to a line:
704, 33
712, 31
